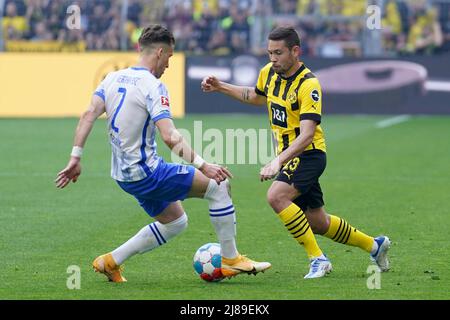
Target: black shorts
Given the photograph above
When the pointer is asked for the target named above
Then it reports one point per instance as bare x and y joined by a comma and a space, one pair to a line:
303, 172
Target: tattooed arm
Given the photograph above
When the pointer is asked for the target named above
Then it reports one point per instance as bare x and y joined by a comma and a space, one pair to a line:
243, 94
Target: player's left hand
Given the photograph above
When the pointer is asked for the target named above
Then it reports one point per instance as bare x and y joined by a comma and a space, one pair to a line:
215, 172
270, 170
70, 173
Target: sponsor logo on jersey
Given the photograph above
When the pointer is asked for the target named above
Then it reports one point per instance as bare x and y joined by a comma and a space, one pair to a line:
182, 169
165, 102
315, 95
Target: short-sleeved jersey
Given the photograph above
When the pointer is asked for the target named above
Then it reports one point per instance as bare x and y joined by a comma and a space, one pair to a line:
290, 100
135, 100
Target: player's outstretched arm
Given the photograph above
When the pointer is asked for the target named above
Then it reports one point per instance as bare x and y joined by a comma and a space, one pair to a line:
243, 94
175, 141
73, 169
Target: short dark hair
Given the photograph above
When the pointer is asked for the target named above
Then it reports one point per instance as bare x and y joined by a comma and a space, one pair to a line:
155, 33
288, 34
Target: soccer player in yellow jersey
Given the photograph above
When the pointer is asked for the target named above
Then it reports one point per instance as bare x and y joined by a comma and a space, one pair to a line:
293, 97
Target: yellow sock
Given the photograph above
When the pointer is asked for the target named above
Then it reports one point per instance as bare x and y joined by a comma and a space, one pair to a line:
341, 231
295, 221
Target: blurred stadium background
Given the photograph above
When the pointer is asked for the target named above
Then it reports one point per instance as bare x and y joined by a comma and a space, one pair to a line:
382, 177
228, 37
329, 28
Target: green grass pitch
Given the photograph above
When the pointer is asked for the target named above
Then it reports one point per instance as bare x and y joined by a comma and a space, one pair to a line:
393, 181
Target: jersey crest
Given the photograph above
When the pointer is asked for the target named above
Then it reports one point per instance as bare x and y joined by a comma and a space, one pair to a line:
292, 98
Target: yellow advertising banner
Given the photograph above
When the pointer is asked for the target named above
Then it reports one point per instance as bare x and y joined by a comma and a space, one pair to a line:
61, 84
44, 46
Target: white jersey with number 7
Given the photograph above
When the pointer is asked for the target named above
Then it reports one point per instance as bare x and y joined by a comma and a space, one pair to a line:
134, 101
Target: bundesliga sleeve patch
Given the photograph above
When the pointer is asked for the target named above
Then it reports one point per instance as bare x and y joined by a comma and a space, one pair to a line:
315, 95
165, 102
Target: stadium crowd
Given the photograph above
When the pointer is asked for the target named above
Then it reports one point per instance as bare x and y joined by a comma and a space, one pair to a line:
225, 26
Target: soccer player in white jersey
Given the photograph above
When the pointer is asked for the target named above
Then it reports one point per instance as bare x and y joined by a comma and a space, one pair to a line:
136, 103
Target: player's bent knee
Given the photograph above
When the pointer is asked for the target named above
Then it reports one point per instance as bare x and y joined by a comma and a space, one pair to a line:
275, 201
315, 228
176, 226
318, 224
218, 192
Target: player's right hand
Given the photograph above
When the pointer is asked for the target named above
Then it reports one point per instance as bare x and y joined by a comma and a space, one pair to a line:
70, 173
210, 84
215, 172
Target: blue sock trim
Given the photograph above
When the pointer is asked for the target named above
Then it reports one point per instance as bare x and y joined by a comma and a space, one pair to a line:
223, 209
154, 233
221, 214
157, 230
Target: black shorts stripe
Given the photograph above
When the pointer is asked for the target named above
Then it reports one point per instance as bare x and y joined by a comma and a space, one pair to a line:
285, 141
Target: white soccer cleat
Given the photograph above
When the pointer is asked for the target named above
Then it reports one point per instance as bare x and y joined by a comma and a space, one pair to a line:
380, 256
319, 267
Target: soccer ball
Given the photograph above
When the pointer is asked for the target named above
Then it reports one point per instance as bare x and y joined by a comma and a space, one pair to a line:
208, 262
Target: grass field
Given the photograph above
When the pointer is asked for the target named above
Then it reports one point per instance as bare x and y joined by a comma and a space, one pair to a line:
394, 181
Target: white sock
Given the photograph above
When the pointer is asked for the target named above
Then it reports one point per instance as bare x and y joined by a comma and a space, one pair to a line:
374, 247
223, 217
148, 238
228, 248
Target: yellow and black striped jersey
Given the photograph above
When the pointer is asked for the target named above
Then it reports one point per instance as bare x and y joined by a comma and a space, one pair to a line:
290, 100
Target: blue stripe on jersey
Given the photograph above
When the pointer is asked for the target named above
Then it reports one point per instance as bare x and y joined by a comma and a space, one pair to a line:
101, 94
163, 115
162, 90
154, 233
221, 214
143, 163
223, 209
157, 230
126, 172
139, 68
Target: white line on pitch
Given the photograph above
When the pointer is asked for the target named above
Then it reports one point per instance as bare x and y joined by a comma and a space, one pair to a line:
392, 121
438, 86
